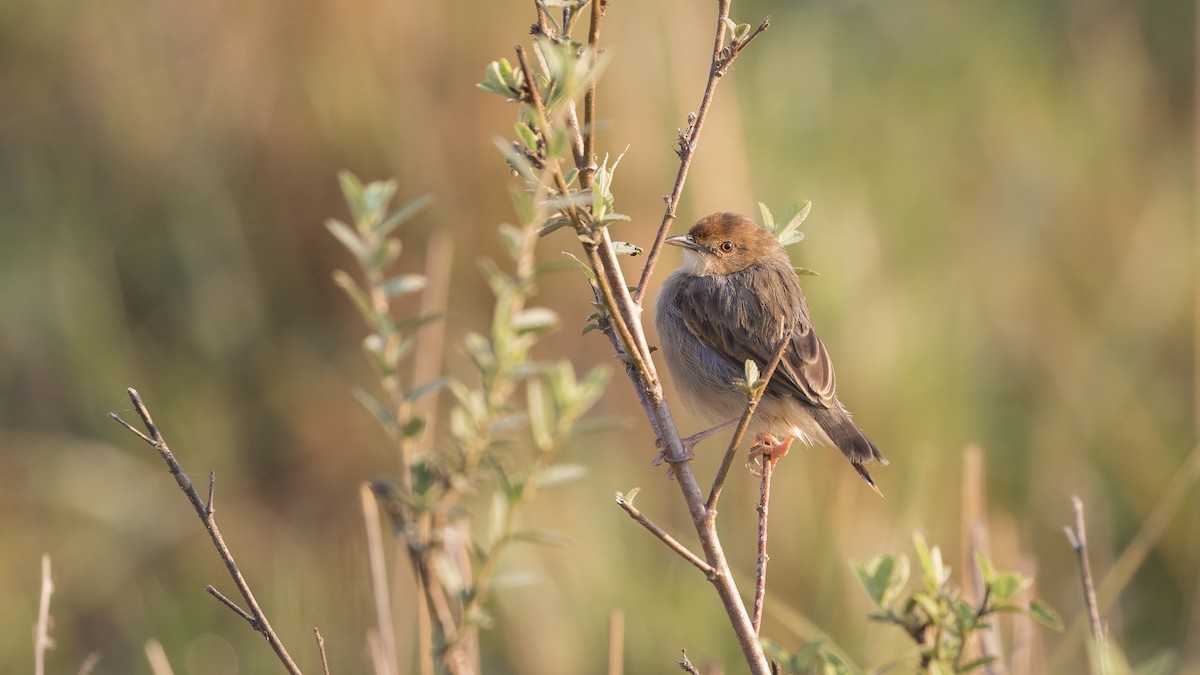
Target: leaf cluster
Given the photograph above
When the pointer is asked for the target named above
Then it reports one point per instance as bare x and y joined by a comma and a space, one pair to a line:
934, 612
504, 430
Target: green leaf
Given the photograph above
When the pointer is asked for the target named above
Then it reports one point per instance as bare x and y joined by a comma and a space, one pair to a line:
1006, 585
415, 322
582, 266
352, 190
402, 215
376, 196
404, 284
883, 577
934, 572
527, 137
1045, 615
426, 388
806, 272
751, 371
790, 222
357, 296
376, 408
628, 497
415, 425
768, 221
626, 248
348, 237
513, 239
541, 415
559, 474
522, 202
535, 320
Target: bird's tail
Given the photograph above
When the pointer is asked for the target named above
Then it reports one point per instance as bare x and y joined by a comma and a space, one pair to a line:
853, 443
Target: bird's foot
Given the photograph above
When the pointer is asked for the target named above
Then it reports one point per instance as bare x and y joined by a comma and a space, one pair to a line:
766, 449
689, 445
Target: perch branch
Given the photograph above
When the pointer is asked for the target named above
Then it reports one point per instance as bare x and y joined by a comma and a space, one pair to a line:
760, 579
727, 461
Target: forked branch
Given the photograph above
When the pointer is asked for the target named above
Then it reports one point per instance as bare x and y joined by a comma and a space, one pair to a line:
255, 616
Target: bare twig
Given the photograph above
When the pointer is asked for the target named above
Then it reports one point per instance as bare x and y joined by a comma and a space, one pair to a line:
666, 538
1174, 497
686, 666
760, 579
1078, 539
233, 606
155, 440
690, 137
41, 630
321, 650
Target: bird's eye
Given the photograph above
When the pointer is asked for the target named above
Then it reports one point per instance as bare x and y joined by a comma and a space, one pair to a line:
727, 246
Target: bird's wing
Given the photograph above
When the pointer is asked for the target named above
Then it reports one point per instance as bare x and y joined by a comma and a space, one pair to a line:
730, 317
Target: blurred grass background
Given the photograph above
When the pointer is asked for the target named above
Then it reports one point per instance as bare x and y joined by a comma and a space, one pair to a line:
1003, 207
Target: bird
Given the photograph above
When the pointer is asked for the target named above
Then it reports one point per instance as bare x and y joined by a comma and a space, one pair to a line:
737, 297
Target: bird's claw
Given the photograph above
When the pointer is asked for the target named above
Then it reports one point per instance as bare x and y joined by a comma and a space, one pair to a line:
766, 448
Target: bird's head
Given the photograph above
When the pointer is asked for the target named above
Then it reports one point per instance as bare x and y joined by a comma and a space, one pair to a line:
725, 243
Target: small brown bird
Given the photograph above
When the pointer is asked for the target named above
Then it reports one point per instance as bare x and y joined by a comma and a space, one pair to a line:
736, 297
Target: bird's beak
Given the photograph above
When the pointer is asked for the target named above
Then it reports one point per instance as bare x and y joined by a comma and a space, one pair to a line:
685, 241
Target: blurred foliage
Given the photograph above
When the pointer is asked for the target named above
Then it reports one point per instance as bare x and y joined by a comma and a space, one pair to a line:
501, 444
1005, 236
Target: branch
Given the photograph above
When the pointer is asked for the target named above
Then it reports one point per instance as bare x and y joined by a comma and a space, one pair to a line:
321, 650
769, 458
727, 461
671, 542
156, 441
689, 137
1078, 539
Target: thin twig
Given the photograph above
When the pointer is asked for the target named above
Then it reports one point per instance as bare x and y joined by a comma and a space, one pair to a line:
155, 440
688, 140
760, 578
727, 461
321, 650
666, 538
209, 509
233, 606
41, 630
685, 664
589, 100
1078, 539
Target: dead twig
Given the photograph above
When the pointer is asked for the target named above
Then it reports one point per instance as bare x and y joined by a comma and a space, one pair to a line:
258, 619
41, 630
1078, 539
